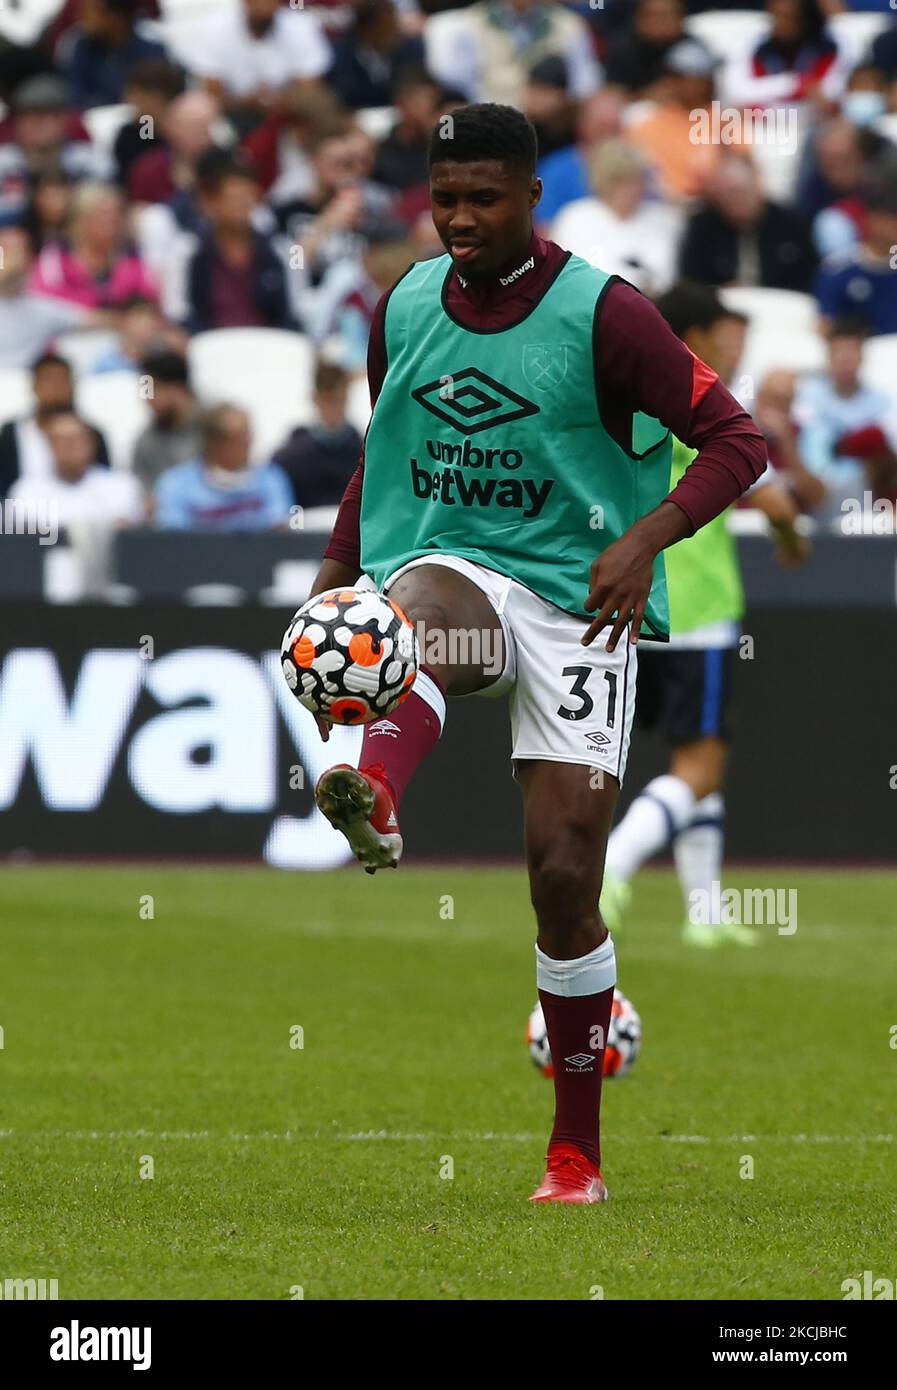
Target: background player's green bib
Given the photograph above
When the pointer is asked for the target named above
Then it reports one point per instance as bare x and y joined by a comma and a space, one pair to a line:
490, 445
703, 573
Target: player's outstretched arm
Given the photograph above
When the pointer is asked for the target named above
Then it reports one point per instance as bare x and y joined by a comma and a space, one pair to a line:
620, 579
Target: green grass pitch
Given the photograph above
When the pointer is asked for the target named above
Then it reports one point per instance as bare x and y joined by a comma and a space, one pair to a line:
325, 1167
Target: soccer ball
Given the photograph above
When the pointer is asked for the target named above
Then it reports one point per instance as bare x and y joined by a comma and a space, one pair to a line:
350, 656
624, 1038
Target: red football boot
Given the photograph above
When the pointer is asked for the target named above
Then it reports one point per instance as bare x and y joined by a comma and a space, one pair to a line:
570, 1177
360, 803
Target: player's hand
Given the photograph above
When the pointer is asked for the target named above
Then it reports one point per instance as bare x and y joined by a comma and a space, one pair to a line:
620, 582
792, 550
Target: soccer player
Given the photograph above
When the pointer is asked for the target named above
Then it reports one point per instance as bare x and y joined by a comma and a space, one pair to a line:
515, 489
685, 687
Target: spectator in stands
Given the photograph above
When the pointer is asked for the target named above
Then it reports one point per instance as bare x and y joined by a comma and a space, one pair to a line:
48, 209
173, 435
253, 58
349, 294
150, 89
635, 59
344, 209
839, 164
236, 277
28, 322
40, 143
617, 227
667, 132
565, 174
861, 281
865, 97
99, 53
798, 61
280, 148
188, 129
220, 491
498, 42
320, 458
369, 57
78, 490
548, 104
740, 237
24, 444
96, 266
142, 329
841, 424
402, 155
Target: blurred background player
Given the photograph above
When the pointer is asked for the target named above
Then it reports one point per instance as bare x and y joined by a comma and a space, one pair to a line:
685, 688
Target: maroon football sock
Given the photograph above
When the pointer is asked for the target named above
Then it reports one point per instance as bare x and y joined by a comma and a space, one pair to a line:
577, 1066
402, 740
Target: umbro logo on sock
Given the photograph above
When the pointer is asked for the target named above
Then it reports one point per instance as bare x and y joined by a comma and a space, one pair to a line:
384, 726
580, 1061
391, 819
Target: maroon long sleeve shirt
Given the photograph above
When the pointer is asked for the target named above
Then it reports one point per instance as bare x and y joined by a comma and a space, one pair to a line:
640, 365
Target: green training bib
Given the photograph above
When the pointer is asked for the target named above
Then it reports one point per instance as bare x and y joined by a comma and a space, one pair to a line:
490, 445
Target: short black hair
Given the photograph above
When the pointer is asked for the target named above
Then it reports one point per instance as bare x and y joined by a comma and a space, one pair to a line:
157, 75
849, 326
215, 166
50, 359
485, 130
689, 305
169, 368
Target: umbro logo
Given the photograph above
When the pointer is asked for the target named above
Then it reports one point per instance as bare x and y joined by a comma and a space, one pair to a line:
580, 1061
472, 401
391, 819
384, 726
596, 740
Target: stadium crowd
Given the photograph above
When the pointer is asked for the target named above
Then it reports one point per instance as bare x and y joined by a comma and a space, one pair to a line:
201, 202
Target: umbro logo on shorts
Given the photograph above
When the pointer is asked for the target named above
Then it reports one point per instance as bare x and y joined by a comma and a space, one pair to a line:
384, 726
472, 401
596, 740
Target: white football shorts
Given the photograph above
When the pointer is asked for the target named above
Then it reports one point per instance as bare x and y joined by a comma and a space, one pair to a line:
568, 703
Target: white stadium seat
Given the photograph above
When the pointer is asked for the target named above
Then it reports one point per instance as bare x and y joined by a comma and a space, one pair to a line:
880, 363
104, 122
358, 407
854, 33
768, 349
24, 23
776, 311
887, 126
82, 346
113, 403
266, 370
444, 34
15, 393
231, 353
376, 121
184, 23
729, 33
